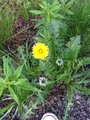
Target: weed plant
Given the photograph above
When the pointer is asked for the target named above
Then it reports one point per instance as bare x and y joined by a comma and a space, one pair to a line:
79, 23
63, 30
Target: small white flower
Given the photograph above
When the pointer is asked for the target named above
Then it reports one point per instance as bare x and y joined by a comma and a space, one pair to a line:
59, 62
43, 81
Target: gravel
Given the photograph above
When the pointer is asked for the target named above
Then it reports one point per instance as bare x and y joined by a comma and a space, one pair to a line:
79, 111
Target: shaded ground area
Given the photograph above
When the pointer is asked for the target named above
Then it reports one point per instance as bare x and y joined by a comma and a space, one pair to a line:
80, 109
23, 31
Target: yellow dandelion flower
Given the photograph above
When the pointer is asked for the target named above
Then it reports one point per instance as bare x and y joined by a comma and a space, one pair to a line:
40, 51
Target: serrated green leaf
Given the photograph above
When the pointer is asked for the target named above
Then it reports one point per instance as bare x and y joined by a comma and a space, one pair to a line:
14, 96
18, 72
6, 67
54, 27
28, 86
20, 81
74, 42
71, 53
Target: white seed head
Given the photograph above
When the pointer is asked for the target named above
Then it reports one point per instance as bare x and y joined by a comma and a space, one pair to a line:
43, 81
59, 62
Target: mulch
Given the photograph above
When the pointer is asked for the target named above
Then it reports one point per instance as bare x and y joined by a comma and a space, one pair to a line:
23, 31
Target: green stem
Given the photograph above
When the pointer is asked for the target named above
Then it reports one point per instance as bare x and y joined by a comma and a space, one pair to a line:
53, 51
70, 97
66, 111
